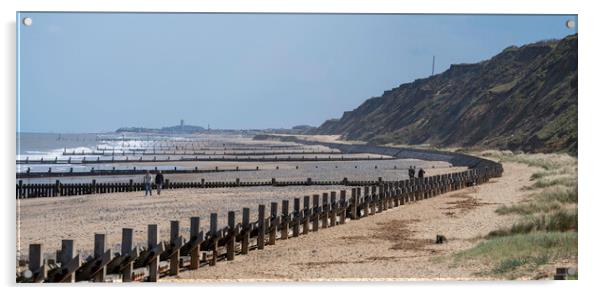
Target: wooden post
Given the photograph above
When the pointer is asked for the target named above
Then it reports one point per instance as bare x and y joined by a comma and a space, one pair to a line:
325, 210
55, 191
231, 236
285, 221
365, 201
333, 209
195, 228
99, 251
396, 194
20, 194
246, 213
214, 238
261, 227
381, 196
373, 201
36, 263
152, 241
273, 223
174, 260
354, 203
316, 213
127, 241
343, 206
306, 215
67, 254
296, 216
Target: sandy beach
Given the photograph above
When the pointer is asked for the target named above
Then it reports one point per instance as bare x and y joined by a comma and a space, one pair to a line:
394, 245
48, 220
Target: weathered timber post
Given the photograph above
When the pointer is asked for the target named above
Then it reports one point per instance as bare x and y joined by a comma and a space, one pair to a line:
195, 236
244, 249
66, 258
387, 196
152, 242
365, 201
285, 220
273, 223
333, 209
214, 238
325, 210
373, 197
176, 243
396, 194
127, 241
261, 227
99, 251
296, 216
316, 213
55, 191
20, 194
36, 263
381, 197
231, 236
306, 215
353, 204
343, 206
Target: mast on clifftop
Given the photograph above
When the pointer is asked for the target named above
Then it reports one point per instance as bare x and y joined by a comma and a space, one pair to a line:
433, 68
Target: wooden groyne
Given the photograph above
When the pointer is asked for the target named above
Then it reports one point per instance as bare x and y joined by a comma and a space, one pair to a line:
196, 248
192, 153
121, 172
201, 148
99, 160
58, 189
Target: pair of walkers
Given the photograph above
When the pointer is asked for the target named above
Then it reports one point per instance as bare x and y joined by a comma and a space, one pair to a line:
148, 183
412, 172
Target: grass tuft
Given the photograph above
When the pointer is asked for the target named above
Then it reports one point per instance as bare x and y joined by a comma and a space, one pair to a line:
559, 221
514, 252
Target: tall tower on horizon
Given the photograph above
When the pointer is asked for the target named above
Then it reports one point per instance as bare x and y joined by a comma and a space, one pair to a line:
181, 122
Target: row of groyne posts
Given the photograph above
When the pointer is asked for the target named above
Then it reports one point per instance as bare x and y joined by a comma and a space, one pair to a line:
245, 158
163, 258
57, 189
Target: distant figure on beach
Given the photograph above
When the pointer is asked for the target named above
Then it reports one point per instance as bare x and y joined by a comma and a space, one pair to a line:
411, 172
421, 173
148, 184
159, 182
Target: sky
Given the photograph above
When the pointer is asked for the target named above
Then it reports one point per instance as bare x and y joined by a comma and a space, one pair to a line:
96, 72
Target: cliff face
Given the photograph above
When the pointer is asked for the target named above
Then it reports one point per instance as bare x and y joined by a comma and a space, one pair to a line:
524, 98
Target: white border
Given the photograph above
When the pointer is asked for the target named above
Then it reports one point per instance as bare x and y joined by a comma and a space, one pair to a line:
589, 107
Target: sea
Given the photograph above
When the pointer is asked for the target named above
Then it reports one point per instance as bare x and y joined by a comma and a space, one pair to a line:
50, 146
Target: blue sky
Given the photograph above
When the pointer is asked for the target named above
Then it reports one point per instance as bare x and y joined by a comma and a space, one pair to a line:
92, 72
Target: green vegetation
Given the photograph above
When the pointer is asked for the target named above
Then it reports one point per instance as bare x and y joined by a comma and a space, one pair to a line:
501, 88
547, 229
559, 221
524, 98
565, 181
543, 202
519, 254
528, 208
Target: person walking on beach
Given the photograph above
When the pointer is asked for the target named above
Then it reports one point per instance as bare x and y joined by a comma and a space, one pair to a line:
148, 184
159, 182
421, 173
411, 172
